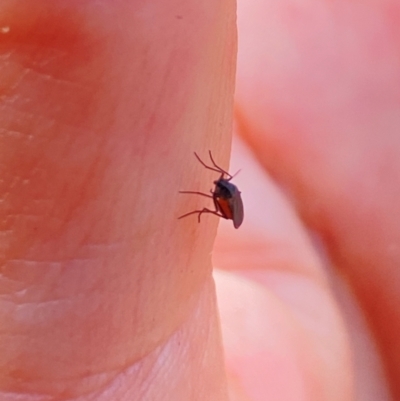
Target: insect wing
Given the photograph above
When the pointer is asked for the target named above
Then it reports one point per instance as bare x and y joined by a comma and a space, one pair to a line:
237, 210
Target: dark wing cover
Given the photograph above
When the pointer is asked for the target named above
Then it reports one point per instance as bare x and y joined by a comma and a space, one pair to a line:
237, 210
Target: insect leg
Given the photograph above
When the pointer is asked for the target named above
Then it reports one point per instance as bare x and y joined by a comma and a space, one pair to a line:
217, 169
205, 210
195, 193
200, 212
221, 170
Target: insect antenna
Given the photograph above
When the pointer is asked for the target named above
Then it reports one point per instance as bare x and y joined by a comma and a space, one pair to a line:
216, 168
220, 169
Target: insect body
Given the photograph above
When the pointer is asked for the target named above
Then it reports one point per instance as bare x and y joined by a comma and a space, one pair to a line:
226, 196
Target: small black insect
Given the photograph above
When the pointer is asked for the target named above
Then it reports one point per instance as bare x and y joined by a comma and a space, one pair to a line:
226, 196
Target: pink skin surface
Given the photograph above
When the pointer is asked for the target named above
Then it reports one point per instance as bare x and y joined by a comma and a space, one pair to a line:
105, 295
315, 315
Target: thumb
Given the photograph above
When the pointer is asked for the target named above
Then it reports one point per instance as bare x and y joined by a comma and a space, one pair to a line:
103, 290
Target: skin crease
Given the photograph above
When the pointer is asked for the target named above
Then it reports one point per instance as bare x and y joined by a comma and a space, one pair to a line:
103, 294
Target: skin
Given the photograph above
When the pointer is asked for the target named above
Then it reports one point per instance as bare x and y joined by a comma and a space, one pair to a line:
100, 296
316, 94
105, 295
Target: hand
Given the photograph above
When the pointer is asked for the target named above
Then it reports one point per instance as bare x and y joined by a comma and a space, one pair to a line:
105, 295
317, 103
